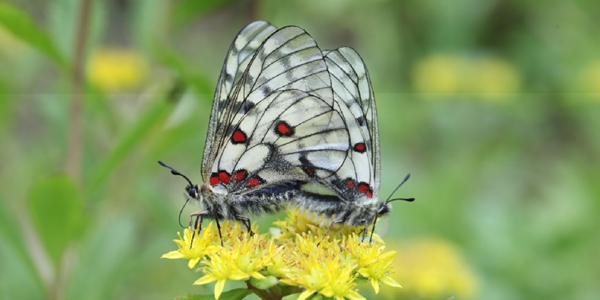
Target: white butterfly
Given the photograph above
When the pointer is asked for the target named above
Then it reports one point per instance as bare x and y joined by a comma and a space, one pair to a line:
287, 117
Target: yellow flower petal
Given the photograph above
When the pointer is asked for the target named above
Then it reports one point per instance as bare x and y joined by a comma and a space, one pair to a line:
353, 295
390, 281
375, 284
257, 275
305, 294
238, 275
173, 255
219, 288
193, 262
205, 279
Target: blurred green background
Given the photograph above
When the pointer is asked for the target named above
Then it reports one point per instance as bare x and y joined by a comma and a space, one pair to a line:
492, 106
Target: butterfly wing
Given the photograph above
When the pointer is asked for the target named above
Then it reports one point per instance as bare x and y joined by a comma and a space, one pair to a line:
359, 177
239, 55
278, 121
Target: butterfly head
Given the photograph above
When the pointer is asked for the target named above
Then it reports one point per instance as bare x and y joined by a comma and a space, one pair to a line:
384, 209
192, 192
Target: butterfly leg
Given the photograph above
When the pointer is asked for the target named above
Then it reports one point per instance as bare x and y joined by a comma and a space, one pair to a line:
365, 230
216, 217
329, 229
372, 229
246, 222
197, 223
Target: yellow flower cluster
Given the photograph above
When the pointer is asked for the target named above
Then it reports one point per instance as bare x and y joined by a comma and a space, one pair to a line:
299, 260
487, 77
589, 78
117, 69
432, 269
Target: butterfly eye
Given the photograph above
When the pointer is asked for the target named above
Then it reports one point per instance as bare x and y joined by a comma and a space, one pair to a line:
192, 191
384, 209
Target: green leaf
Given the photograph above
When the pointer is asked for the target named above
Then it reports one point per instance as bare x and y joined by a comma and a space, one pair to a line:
106, 260
157, 112
292, 296
19, 276
56, 210
22, 26
235, 294
10, 232
187, 10
264, 284
192, 75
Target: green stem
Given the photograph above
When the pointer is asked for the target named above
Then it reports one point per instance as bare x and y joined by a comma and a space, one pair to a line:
263, 294
73, 164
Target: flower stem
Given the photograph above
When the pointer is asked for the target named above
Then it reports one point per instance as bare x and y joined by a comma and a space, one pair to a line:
73, 164
263, 294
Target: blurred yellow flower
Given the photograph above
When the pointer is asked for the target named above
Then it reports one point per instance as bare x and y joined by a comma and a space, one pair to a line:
116, 70
303, 263
9, 45
432, 269
589, 77
439, 73
492, 76
486, 77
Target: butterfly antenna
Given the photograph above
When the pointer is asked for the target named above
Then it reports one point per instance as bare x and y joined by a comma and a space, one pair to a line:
175, 172
181, 211
399, 185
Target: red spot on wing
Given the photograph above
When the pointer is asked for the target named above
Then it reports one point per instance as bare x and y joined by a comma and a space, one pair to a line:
239, 175
350, 183
363, 187
238, 137
309, 171
360, 147
254, 182
283, 128
214, 179
224, 177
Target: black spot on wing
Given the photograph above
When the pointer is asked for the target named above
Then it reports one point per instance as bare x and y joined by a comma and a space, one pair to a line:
266, 90
249, 78
361, 121
228, 77
305, 162
247, 106
307, 166
285, 61
231, 129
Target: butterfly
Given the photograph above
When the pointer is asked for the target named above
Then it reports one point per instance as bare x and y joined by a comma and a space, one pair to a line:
355, 185
290, 125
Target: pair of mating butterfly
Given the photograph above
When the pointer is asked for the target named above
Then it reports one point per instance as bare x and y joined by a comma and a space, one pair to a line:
291, 125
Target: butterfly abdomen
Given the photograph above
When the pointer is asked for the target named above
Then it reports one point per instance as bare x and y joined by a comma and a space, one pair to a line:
232, 206
336, 210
